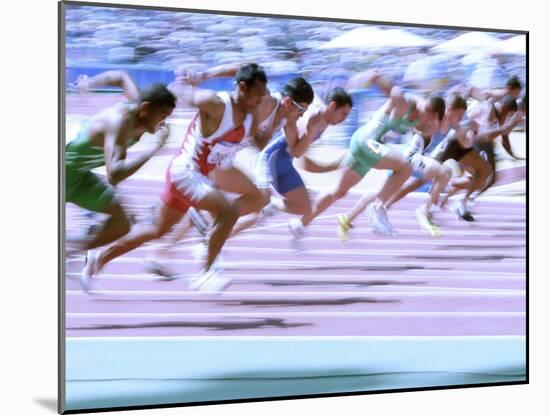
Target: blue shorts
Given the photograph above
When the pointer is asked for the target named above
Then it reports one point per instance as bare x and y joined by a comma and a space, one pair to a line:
274, 168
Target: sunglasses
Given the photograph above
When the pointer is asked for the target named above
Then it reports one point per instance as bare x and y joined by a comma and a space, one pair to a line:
300, 109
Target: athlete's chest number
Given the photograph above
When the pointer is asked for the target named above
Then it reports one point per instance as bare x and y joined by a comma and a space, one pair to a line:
374, 146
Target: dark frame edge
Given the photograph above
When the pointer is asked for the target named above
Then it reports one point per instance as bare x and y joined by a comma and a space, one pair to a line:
61, 375
527, 118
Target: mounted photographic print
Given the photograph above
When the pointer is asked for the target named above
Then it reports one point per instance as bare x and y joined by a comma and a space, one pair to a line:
258, 207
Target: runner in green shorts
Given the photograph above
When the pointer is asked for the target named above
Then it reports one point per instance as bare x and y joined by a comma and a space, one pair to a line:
102, 141
366, 151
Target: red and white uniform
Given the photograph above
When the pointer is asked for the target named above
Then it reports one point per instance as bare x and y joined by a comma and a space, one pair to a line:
187, 181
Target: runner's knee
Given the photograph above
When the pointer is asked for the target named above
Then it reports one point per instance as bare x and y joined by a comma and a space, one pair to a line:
404, 167
485, 171
339, 193
122, 222
445, 173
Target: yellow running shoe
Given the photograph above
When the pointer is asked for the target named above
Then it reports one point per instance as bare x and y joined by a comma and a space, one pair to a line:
426, 223
343, 227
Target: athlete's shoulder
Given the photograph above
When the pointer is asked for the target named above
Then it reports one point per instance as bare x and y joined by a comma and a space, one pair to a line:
114, 118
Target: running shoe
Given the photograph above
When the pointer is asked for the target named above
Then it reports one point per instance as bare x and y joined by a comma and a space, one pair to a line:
297, 230
344, 225
426, 223
210, 281
91, 267
464, 213
379, 220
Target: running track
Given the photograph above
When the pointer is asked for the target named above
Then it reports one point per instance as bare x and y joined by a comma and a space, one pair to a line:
368, 314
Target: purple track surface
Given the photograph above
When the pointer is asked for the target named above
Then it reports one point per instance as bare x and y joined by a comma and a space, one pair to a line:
470, 281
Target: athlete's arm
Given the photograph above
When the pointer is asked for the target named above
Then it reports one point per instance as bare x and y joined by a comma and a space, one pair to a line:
299, 142
184, 75
368, 78
307, 164
261, 138
206, 100
508, 147
482, 94
115, 144
465, 137
415, 145
490, 134
120, 79
476, 93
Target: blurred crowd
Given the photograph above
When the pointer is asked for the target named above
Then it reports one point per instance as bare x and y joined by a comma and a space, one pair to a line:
154, 43
149, 39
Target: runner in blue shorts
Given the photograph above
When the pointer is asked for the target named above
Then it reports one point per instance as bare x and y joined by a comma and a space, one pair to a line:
275, 166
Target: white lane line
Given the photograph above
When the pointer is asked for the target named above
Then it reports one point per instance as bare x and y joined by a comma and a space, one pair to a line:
348, 278
490, 314
315, 294
318, 265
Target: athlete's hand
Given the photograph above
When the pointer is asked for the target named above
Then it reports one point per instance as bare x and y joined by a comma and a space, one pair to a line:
162, 133
512, 121
517, 117
474, 126
186, 76
82, 84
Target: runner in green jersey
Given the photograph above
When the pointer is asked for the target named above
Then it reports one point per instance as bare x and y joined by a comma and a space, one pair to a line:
103, 140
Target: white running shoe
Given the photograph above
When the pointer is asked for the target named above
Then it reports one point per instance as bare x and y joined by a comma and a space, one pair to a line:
379, 220
390, 231
90, 269
297, 230
200, 252
210, 281
216, 285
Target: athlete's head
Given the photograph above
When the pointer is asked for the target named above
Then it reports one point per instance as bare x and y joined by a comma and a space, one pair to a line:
513, 87
155, 104
434, 110
455, 108
297, 96
508, 106
251, 86
339, 104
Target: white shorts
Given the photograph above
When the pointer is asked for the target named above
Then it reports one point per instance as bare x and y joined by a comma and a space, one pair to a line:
421, 164
185, 187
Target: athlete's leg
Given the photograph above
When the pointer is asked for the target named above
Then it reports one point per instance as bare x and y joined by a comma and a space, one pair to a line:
401, 172
255, 195
348, 179
164, 218
481, 170
440, 175
489, 151
235, 181
412, 184
89, 192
